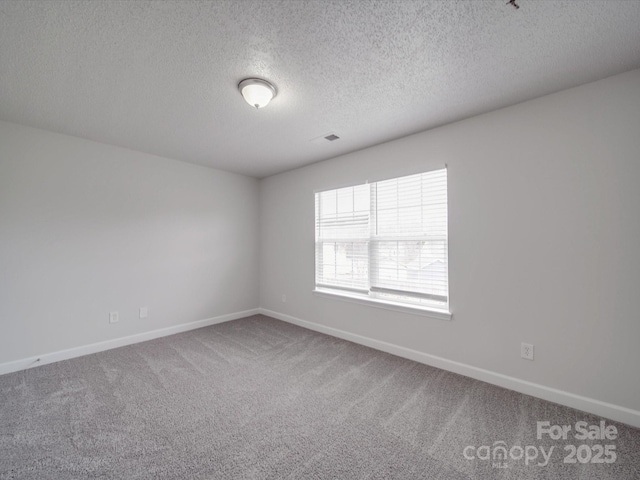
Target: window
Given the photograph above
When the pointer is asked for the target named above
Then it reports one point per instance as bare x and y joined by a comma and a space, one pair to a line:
385, 241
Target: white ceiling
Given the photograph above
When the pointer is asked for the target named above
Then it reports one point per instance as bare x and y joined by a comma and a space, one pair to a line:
161, 76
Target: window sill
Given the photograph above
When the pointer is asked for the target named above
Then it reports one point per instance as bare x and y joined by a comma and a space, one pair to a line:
374, 302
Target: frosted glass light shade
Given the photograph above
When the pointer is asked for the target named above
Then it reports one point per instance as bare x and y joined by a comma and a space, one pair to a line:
257, 93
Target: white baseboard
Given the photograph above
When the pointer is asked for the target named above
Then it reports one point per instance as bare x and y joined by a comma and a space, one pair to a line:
585, 404
52, 357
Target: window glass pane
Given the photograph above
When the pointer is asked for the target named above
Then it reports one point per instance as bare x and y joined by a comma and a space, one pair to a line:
412, 266
329, 260
362, 199
405, 258
387, 195
409, 191
435, 221
345, 215
328, 202
410, 220
387, 222
344, 264
342, 234
345, 200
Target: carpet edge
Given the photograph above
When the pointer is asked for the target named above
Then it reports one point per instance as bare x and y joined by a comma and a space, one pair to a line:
79, 351
611, 411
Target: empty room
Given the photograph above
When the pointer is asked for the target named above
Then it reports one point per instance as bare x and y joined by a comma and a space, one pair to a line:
319, 239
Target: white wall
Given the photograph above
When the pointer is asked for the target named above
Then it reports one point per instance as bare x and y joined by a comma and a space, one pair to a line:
88, 228
544, 241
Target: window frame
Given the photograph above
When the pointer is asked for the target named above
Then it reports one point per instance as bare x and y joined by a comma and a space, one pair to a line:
372, 297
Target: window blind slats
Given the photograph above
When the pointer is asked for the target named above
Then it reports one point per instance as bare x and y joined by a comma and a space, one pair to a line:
387, 238
342, 237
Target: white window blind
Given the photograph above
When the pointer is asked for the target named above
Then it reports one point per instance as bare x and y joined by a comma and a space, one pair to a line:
342, 238
409, 245
386, 240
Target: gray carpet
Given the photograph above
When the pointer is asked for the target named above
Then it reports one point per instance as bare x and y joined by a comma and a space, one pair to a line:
257, 398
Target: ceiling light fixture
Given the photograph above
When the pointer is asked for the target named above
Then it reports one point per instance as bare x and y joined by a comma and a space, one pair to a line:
256, 92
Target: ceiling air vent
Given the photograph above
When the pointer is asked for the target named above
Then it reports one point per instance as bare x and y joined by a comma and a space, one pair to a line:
323, 139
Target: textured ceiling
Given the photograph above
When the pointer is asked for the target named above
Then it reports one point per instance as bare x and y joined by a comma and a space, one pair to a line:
161, 76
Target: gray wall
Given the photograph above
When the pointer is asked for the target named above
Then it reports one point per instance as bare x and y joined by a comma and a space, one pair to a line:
88, 228
544, 219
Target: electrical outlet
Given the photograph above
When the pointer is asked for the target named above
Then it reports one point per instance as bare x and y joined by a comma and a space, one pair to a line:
526, 351
284, 298
144, 312
114, 317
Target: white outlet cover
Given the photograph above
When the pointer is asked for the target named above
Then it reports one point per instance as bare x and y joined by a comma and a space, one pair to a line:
526, 351
144, 312
113, 317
